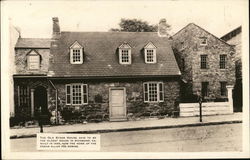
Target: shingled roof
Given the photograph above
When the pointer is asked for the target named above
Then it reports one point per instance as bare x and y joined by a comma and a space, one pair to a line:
33, 43
101, 55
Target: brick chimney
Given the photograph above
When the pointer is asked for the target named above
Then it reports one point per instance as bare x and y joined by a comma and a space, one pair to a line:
163, 28
56, 28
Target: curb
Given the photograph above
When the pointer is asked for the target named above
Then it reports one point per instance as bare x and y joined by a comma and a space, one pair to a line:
138, 128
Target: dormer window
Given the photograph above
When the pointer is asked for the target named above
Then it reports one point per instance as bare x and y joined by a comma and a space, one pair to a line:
125, 54
33, 59
76, 53
150, 53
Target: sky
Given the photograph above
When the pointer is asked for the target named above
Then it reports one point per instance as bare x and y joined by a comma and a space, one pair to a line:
34, 18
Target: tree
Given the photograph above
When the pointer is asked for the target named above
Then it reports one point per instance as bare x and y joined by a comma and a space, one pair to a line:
134, 25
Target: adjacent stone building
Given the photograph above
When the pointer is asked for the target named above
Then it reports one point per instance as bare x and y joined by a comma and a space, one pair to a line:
234, 38
205, 62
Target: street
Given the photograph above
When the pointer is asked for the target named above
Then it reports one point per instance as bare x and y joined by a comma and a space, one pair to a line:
214, 138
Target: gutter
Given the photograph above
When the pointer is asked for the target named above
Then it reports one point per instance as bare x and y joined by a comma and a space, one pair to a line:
56, 100
114, 77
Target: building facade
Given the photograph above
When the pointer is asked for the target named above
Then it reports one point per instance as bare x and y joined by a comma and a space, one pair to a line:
96, 76
234, 38
205, 62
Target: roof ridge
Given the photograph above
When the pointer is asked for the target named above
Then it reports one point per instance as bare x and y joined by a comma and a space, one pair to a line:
203, 30
239, 27
101, 32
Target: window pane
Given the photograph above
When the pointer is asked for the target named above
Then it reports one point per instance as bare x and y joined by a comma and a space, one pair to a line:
203, 61
76, 55
149, 55
125, 56
77, 93
222, 61
152, 90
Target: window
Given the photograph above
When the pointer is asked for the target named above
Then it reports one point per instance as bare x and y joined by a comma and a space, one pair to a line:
153, 92
76, 94
33, 61
223, 88
76, 53
23, 95
150, 56
150, 53
204, 89
204, 62
223, 61
203, 41
125, 54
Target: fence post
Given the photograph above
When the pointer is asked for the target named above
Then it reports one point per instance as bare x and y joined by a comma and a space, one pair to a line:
230, 97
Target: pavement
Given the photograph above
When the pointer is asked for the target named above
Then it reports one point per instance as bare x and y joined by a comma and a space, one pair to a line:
143, 124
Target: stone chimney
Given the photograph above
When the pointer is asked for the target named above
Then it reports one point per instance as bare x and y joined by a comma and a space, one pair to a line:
56, 28
163, 28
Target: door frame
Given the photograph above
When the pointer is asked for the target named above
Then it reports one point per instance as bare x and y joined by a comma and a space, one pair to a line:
124, 104
32, 98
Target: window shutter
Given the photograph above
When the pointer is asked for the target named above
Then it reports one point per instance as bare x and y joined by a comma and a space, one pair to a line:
81, 56
145, 87
154, 55
85, 93
68, 94
71, 56
161, 92
129, 56
34, 61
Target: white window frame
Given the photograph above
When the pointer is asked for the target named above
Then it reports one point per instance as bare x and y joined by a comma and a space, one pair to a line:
158, 92
146, 55
37, 64
224, 62
129, 55
71, 94
76, 46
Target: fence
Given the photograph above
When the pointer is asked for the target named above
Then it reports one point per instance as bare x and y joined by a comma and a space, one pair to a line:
208, 108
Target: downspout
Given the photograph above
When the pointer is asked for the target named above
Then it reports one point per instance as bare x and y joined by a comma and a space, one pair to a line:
56, 100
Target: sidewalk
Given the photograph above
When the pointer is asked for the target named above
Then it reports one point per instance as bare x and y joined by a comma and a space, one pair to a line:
129, 125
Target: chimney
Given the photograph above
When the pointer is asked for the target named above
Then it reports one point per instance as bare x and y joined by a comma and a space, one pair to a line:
56, 28
163, 28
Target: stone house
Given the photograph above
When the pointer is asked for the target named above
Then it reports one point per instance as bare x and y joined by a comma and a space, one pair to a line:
205, 62
96, 75
234, 38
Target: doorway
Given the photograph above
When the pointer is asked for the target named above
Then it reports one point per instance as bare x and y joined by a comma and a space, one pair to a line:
40, 101
117, 104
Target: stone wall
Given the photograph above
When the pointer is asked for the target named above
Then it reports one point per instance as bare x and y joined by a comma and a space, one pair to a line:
97, 108
186, 45
21, 61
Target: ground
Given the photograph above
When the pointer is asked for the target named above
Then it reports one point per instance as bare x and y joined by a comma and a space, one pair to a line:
214, 138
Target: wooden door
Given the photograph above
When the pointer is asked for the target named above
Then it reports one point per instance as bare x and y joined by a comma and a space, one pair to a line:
117, 104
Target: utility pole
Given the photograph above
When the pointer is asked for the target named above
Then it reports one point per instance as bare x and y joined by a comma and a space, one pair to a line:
200, 104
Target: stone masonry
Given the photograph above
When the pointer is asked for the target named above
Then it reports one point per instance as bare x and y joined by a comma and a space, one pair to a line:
21, 61
187, 47
98, 99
